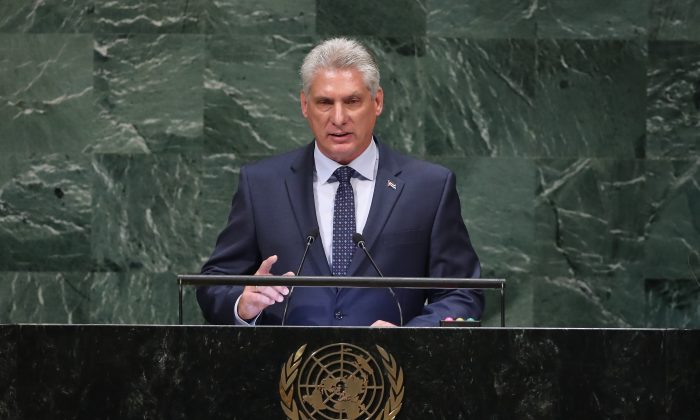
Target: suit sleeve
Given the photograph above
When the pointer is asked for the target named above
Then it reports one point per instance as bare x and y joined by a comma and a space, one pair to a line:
451, 255
236, 252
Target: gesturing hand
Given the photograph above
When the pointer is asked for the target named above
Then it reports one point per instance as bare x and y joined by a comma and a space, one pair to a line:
256, 298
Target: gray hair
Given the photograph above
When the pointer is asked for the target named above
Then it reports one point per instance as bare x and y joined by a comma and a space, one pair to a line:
340, 53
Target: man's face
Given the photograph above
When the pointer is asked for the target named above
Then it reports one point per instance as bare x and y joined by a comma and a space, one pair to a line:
341, 113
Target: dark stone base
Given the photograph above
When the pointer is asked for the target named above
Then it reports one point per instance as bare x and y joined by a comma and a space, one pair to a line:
124, 372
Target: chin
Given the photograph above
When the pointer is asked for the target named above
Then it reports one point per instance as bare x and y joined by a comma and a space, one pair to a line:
342, 157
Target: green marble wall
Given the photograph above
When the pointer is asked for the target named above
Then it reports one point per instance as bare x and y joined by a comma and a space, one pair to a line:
574, 128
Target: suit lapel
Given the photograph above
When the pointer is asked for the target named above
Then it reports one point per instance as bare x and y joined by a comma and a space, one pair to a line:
387, 189
300, 192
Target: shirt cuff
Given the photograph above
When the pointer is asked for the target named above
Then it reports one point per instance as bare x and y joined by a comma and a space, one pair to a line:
241, 321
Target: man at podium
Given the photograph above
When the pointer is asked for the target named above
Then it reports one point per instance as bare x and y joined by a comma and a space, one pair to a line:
346, 182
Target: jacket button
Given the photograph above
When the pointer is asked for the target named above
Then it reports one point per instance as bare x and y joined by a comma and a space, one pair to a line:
338, 315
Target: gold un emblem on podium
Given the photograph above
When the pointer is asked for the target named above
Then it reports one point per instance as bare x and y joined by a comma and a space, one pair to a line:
341, 381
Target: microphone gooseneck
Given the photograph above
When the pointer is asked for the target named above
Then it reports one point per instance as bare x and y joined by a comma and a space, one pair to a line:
310, 238
359, 241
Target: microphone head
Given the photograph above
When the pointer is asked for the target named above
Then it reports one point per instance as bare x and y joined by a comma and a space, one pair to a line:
357, 238
313, 234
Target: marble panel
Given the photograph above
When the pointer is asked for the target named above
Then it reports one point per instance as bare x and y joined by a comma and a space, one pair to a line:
603, 227
139, 297
44, 297
47, 16
608, 373
259, 17
480, 97
149, 93
10, 166
84, 16
498, 209
146, 213
482, 18
9, 404
681, 349
672, 303
497, 197
387, 18
219, 180
137, 372
154, 381
593, 19
46, 93
191, 313
590, 98
673, 99
519, 301
251, 99
138, 16
612, 301
591, 216
675, 20
45, 214
672, 228
401, 122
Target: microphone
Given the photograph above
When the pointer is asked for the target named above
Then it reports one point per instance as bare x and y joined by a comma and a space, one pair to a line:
310, 238
359, 241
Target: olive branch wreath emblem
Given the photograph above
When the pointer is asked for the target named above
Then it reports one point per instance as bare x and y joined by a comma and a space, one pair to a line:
290, 371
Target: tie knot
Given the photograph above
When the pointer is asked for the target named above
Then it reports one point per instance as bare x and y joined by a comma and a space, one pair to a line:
343, 174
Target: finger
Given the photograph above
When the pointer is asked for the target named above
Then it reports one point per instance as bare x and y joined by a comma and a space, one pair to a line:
266, 266
255, 295
284, 290
276, 293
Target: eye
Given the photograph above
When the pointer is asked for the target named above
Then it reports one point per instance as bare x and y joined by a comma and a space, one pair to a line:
352, 100
324, 103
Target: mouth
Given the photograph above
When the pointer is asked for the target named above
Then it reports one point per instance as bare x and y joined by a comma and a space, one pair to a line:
340, 136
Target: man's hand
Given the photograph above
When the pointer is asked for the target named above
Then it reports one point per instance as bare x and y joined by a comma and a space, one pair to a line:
380, 323
256, 298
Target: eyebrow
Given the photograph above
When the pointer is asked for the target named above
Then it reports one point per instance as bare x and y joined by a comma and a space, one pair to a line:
354, 94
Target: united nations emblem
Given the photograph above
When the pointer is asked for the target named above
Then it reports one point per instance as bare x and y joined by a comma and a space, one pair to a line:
341, 381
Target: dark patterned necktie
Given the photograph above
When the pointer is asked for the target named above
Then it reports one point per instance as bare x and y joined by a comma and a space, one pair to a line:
343, 222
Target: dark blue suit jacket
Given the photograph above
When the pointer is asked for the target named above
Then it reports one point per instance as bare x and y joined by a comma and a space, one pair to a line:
414, 230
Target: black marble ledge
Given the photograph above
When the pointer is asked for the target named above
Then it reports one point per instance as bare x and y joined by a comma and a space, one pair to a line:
8, 371
109, 371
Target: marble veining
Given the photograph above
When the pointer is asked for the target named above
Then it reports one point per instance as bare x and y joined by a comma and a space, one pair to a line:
572, 128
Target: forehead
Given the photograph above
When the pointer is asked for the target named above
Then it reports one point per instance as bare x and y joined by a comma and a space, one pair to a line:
337, 81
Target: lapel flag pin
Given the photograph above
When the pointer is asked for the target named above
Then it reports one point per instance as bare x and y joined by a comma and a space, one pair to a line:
390, 184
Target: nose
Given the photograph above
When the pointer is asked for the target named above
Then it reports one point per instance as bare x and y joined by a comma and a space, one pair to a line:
339, 115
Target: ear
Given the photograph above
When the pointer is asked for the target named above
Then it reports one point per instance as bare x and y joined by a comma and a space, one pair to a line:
379, 102
304, 104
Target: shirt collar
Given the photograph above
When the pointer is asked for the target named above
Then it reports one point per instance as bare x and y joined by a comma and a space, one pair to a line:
363, 164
